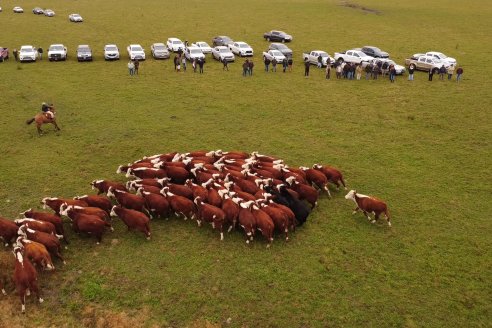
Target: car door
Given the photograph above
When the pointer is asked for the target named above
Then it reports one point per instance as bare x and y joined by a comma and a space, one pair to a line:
428, 63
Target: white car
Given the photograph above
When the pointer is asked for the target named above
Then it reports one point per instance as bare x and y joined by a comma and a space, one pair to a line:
135, 51
204, 47
352, 56
270, 54
439, 55
28, 53
159, 51
192, 53
399, 69
222, 52
241, 49
174, 44
111, 52
57, 52
18, 10
49, 13
76, 18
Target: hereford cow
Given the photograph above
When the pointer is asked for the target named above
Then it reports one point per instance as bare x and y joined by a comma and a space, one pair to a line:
246, 219
127, 199
8, 231
37, 253
317, 179
134, 220
156, 204
43, 226
48, 217
332, 174
51, 243
180, 205
67, 209
102, 186
264, 223
280, 218
368, 204
146, 173
212, 214
177, 189
90, 224
25, 277
305, 191
54, 203
102, 202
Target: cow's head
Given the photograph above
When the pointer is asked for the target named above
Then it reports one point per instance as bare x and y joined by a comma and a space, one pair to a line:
27, 213
351, 195
110, 192
95, 184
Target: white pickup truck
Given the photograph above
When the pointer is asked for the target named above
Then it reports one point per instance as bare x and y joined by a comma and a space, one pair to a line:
352, 56
57, 52
270, 54
312, 57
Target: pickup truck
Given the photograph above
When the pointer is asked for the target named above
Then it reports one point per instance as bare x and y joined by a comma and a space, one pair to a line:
424, 63
312, 57
352, 56
270, 54
57, 52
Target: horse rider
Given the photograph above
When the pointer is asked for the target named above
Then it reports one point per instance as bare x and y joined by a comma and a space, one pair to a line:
47, 110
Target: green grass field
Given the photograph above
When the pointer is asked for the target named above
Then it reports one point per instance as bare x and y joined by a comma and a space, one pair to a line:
422, 147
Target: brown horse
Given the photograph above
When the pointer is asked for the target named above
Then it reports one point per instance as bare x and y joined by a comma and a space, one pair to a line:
44, 118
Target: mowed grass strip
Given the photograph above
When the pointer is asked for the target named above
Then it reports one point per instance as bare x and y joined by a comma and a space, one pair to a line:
422, 147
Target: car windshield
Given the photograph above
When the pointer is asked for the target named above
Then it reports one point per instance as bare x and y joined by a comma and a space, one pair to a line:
243, 45
203, 44
56, 48
226, 40
26, 49
177, 42
323, 54
137, 48
224, 50
281, 46
111, 49
76, 16
441, 55
276, 53
159, 47
84, 49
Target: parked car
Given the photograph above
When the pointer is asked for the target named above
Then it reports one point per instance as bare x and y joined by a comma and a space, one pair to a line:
222, 52
439, 55
192, 53
286, 51
174, 44
279, 36
221, 40
159, 51
4, 53
76, 18
37, 11
28, 54
424, 63
242, 49
135, 52
374, 52
271, 54
352, 56
111, 52
312, 57
204, 47
57, 52
399, 68
49, 13
18, 10
84, 53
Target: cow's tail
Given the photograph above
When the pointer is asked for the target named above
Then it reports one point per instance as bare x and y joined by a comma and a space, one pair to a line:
30, 121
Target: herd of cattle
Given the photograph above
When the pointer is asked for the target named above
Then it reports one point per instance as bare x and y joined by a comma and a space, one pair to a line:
226, 189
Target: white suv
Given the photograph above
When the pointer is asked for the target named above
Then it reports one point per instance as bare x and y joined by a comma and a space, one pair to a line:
174, 44
241, 49
28, 53
135, 51
111, 52
57, 52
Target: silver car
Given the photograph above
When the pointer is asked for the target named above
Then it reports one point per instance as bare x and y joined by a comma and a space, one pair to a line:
159, 51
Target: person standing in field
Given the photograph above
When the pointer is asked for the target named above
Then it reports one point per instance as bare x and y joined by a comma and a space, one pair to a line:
267, 64
327, 70
193, 64
176, 62
131, 68
411, 69
459, 72
183, 62
290, 62
136, 63
14, 52
320, 61
451, 72
201, 62
338, 70
284, 64
375, 72
251, 65
274, 65
368, 70
392, 73
306, 67
225, 63
40, 52
245, 67
442, 71
358, 71
431, 73
384, 69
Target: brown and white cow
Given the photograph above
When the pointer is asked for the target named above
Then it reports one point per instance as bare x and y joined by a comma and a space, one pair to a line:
134, 220
211, 214
368, 204
54, 203
333, 175
103, 186
127, 199
102, 202
180, 205
8, 230
25, 277
51, 243
37, 253
43, 226
48, 217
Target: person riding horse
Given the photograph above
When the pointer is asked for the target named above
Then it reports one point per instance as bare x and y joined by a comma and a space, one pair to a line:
47, 110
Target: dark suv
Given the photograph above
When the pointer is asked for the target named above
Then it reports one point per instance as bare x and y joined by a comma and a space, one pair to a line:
278, 36
221, 40
374, 52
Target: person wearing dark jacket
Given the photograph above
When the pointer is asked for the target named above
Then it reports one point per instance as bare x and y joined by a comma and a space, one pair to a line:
176, 61
459, 72
392, 73
442, 71
245, 68
40, 52
251, 65
274, 64
411, 69
320, 61
431, 73
306, 67
284, 65
201, 62
290, 62
226, 65
15, 53
267, 64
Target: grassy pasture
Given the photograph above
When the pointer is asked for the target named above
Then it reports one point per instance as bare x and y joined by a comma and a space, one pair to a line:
423, 147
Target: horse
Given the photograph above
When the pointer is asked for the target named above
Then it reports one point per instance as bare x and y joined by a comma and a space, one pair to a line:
43, 118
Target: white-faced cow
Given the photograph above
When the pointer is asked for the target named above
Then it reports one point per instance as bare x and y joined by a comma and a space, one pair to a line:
368, 204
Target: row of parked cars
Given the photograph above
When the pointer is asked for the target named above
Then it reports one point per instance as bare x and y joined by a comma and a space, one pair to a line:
76, 18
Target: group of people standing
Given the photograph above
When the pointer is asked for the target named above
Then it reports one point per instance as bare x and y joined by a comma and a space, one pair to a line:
286, 64
443, 71
180, 62
133, 66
